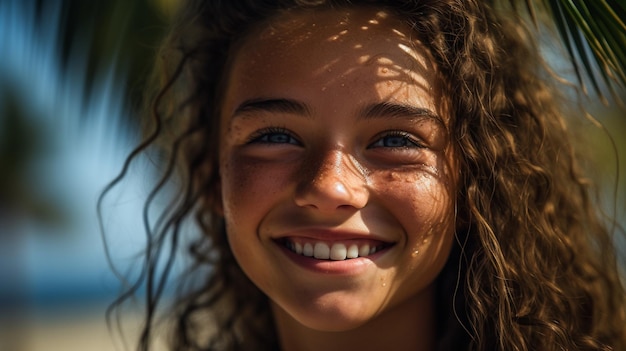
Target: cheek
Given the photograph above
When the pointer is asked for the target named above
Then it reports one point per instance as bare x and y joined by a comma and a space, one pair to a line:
423, 203
249, 187
239, 186
418, 196
242, 203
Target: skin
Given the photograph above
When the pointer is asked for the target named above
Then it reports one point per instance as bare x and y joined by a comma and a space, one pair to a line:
331, 131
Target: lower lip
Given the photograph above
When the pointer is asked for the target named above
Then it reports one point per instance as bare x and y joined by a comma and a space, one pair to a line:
352, 266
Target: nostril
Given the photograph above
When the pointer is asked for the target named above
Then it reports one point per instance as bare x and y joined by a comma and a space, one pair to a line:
331, 194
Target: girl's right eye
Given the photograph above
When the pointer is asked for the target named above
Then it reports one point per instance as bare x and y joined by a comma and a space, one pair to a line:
273, 136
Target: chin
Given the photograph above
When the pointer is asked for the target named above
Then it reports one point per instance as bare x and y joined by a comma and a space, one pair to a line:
326, 316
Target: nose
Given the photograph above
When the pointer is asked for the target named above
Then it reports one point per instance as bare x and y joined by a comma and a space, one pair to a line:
332, 181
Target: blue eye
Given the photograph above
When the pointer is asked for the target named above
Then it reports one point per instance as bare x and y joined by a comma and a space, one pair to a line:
396, 139
274, 136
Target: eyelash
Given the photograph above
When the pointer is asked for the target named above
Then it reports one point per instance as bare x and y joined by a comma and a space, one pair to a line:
262, 136
408, 138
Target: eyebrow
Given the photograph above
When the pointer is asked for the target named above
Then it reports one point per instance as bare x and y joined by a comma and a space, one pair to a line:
377, 110
392, 109
274, 106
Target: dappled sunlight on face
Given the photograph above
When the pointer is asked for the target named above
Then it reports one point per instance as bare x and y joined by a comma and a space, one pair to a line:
333, 134
396, 61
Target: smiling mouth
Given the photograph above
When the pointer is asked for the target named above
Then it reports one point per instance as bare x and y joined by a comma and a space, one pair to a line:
337, 251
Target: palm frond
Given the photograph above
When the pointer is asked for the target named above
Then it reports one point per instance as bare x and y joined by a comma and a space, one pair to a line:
594, 35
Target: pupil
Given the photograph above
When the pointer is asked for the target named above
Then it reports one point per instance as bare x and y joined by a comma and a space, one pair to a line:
278, 138
395, 141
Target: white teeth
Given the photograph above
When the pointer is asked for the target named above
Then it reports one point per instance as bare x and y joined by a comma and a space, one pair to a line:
307, 250
321, 251
338, 252
353, 251
364, 250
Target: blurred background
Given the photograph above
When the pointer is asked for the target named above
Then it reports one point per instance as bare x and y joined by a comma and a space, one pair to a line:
71, 77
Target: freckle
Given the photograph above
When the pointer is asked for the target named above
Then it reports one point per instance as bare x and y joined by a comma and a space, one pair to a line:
393, 176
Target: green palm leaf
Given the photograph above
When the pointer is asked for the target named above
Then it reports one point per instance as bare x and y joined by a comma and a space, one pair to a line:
594, 34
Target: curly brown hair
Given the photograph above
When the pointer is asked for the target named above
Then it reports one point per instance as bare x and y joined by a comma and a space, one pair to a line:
534, 267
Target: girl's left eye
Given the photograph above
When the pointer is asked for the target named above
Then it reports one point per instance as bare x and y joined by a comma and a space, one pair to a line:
396, 139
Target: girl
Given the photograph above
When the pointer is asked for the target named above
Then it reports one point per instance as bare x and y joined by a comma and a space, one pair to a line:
374, 175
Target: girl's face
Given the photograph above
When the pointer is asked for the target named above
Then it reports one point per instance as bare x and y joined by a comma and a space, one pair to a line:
336, 173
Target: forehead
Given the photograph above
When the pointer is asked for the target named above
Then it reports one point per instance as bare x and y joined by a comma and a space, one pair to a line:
329, 58
331, 27
335, 41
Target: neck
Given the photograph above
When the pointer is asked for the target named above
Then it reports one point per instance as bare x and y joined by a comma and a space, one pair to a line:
410, 325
